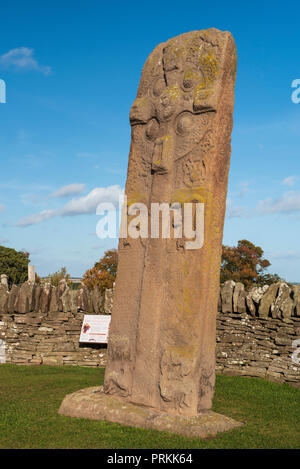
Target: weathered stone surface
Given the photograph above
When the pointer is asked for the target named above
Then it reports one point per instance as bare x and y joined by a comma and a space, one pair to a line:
227, 296
65, 347
70, 300
53, 304
93, 403
25, 298
83, 300
250, 304
220, 302
13, 294
267, 300
162, 334
4, 280
97, 301
61, 288
108, 300
296, 296
282, 340
253, 298
37, 297
3, 299
45, 297
283, 305
257, 293
239, 298
31, 274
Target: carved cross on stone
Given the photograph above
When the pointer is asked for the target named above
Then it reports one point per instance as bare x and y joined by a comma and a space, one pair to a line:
162, 337
161, 350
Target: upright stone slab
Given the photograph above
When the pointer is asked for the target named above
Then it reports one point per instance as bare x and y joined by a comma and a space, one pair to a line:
161, 351
4, 280
162, 336
31, 273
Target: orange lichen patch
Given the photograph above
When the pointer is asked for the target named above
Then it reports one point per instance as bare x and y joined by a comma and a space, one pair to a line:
198, 194
136, 198
167, 147
191, 74
201, 92
209, 65
179, 353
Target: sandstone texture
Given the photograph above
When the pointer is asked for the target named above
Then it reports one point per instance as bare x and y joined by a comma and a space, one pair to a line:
93, 403
161, 350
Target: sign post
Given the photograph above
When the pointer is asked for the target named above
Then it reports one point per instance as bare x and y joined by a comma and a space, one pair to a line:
95, 329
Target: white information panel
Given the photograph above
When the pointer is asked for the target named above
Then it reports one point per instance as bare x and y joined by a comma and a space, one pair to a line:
95, 328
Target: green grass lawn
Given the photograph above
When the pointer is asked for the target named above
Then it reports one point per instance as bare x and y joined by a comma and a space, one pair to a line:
30, 398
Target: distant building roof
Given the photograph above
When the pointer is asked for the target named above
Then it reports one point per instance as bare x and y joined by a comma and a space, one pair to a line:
71, 279
75, 279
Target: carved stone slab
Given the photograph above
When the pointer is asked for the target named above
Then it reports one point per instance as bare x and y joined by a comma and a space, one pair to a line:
161, 350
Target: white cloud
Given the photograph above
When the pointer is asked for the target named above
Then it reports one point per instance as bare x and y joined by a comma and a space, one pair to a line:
22, 58
2, 208
289, 181
288, 203
37, 218
80, 206
69, 190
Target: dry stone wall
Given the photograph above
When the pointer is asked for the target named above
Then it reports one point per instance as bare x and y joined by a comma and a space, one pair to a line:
252, 346
258, 331
42, 324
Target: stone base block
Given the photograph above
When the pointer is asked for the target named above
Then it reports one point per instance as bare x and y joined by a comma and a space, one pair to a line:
92, 403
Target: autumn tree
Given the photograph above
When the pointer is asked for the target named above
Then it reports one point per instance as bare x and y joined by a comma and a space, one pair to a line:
14, 264
242, 263
245, 263
104, 272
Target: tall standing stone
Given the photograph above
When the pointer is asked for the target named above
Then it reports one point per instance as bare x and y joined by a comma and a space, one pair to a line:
31, 274
161, 350
4, 280
162, 336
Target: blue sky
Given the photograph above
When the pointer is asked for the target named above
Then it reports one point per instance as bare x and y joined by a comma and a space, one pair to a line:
72, 71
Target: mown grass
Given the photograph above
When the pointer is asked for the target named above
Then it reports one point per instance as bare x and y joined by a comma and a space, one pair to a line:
30, 398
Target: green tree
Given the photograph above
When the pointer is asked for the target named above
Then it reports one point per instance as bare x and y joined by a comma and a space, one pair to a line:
56, 277
14, 264
245, 263
104, 272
